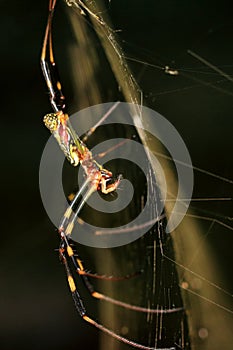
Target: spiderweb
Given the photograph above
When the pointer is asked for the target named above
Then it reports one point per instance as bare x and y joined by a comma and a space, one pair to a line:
188, 78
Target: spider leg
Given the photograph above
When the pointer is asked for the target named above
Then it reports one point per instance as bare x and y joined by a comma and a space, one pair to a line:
102, 119
72, 216
48, 67
75, 295
69, 210
65, 245
82, 311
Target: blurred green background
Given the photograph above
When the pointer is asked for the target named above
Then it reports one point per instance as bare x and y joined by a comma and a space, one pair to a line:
36, 309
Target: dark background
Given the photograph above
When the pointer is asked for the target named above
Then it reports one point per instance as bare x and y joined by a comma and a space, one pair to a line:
36, 309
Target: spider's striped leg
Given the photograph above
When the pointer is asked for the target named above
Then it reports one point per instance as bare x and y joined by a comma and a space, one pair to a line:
66, 247
65, 230
75, 295
70, 210
82, 311
71, 214
48, 65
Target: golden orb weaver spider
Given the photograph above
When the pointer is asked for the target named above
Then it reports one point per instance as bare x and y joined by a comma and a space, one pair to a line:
97, 179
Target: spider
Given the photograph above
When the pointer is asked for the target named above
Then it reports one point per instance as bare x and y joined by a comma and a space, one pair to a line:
97, 179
